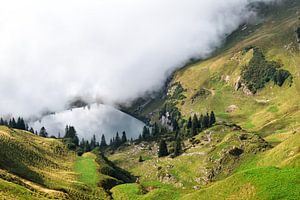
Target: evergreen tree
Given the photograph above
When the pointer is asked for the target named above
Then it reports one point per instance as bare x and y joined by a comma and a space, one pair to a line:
178, 146
117, 141
189, 123
43, 132
146, 133
206, 121
82, 143
212, 119
103, 142
70, 133
141, 159
194, 129
175, 126
93, 142
155, 130
124, 137
87, 147
20, 124
31, 130
163, 149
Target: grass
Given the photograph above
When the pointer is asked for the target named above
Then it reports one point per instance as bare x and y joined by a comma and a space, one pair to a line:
259, 183
87, 168
145, 191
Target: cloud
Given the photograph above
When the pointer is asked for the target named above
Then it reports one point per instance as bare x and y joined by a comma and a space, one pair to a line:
98, 120
114, 50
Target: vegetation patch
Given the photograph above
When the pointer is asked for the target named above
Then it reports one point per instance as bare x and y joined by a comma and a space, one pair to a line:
259, 72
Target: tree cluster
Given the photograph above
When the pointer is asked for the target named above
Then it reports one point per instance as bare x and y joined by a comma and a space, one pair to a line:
118, 140
12, 123
196, 125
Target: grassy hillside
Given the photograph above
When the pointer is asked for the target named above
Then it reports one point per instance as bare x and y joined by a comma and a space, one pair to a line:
260, 160
33, 167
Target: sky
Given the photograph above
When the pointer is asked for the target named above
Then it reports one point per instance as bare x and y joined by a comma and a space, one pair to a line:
110, 50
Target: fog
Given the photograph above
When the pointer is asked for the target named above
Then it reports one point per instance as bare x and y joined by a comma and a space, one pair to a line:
102, 50
113, 50
97, 119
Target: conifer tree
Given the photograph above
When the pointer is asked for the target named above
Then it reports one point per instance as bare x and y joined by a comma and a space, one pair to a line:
206, 121
93, 142
117, 140
155, 130
178, 146
43, 132
103, 142
146, 133
189, 123
194, 129
212, 119
163, 149
124, 137
31, 130
141, 159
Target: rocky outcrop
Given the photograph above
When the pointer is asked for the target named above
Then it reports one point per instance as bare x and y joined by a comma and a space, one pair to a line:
239, 85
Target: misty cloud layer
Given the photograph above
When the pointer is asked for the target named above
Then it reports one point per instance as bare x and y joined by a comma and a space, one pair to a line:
113, 50
98, 120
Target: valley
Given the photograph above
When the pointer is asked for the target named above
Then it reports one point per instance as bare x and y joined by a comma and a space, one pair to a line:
230, 125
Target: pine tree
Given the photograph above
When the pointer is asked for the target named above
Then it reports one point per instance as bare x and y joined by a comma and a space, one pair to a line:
31, 130
93, 142
189, 123
206, 121
103, 142
177, 147
146, 133
43, 132
212, 119
117, 140
155, 130
124, 137
141, 159
175, 126
194, 129
163, 149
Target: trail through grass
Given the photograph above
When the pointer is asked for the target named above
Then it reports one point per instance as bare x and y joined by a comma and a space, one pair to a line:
86, 167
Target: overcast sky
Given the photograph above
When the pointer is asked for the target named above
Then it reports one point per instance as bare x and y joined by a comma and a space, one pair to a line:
114, 50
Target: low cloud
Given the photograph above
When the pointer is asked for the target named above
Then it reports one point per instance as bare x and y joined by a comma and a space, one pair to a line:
113, 50
98, 120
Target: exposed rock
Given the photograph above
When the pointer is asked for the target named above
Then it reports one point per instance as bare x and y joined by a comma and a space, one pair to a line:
231, 108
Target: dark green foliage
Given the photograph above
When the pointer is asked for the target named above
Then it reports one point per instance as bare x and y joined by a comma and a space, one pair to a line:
298, 33
194, 128
12, 123
43, 132
103, 143
71, 136
280, 76
212, 118
178, 146
155, 130
93, 142
124, 137
189, 123
141, 159
146, 133
177, 93
259, 71
163, 149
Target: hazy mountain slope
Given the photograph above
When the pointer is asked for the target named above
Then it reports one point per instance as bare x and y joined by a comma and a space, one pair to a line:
268, 168
271, 109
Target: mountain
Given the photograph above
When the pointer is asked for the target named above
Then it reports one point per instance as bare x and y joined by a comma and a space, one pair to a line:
251, 84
